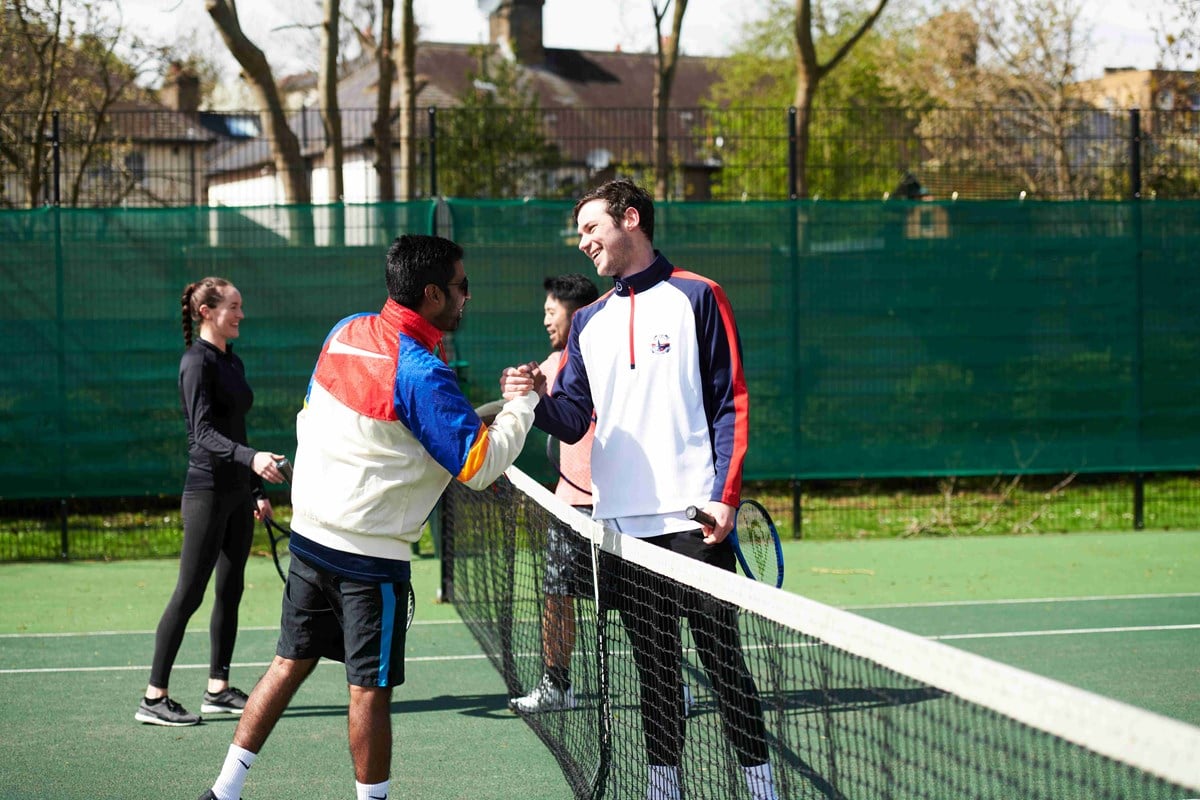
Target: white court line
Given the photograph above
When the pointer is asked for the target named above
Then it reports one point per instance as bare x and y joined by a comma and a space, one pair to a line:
416, 622
1064, 632
1092, 599
476, 657
931, 604
241, 664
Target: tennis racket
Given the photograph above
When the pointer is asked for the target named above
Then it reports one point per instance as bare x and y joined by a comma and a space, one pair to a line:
755, 541
554, 454
279, 545
280, 537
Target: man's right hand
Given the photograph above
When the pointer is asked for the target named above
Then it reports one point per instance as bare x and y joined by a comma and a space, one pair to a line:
520, 380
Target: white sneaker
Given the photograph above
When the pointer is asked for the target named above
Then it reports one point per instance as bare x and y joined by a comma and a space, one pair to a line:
544, 697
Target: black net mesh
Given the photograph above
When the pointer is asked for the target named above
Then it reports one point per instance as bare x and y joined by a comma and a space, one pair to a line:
839, 706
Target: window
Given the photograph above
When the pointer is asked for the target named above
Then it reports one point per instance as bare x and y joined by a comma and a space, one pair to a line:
135, 166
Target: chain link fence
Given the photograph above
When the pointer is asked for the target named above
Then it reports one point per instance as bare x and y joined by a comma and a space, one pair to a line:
168, 158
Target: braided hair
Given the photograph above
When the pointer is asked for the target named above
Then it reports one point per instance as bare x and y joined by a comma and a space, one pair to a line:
204, 292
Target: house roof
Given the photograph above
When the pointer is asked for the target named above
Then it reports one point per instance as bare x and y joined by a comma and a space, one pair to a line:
567, 80
147, 121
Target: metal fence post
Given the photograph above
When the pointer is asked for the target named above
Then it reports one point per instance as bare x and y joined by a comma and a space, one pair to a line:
793, 167
64, 537
57, 157
1135, 184
433, 183
1139, 501
1135, 153
797, 519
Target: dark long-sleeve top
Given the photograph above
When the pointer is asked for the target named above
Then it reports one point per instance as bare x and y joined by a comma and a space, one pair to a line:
216, 397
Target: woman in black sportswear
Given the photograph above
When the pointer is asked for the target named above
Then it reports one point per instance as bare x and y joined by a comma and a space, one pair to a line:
222, 497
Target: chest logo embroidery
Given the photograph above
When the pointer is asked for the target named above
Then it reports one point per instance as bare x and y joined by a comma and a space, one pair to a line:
660, 343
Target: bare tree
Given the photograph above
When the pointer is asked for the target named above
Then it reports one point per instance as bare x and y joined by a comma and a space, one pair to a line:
327, 90
1030, 58
392, 62
285, 147
667, 60
382, 126
809, 73
1177, 34
406, 107
66, 56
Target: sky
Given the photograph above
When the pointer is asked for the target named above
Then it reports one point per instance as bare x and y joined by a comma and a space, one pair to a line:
1122, 30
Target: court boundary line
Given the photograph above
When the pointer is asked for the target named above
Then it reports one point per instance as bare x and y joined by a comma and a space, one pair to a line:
239, 664
64, 634
1023, 600
475, 657
869, 607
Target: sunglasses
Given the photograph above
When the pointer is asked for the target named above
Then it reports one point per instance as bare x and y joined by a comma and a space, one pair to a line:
462, 283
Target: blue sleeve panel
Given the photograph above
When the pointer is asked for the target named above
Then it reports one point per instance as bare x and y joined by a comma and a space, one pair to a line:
429, 403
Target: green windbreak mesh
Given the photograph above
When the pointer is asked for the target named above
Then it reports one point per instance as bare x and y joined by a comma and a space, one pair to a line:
880, 338
91, 330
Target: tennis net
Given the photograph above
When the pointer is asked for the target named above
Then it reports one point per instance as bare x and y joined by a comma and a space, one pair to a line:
849, 708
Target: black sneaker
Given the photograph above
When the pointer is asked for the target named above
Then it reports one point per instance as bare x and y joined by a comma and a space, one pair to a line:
208, 795
226, 701
165, 711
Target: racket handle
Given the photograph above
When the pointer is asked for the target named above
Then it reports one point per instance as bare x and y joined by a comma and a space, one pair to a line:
285, 467
695, 513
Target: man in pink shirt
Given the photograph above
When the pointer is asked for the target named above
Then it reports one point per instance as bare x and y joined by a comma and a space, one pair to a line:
565, 294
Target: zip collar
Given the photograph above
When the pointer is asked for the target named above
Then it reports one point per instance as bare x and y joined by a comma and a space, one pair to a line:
659, 270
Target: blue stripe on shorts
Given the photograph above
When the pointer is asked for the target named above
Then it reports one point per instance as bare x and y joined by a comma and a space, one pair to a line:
387, 626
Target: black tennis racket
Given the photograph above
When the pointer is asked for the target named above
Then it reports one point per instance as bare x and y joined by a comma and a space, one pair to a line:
279, 545
755, 541
554, 454
280, 536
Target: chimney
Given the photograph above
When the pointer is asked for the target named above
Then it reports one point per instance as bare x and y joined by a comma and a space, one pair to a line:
181, 91
519, 23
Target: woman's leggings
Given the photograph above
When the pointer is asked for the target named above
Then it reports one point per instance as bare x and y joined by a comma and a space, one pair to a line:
217, 530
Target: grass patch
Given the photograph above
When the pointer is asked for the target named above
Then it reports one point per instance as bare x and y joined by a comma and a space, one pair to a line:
980, 506
846, 509
111, 530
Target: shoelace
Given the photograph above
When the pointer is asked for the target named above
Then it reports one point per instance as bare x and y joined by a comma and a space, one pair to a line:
174, 707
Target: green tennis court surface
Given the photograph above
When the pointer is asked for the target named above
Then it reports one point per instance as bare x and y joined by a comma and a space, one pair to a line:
1118, 614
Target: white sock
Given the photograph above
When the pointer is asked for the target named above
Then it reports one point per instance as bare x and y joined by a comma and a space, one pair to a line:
371, 791
664, 783
233, 773
760, 781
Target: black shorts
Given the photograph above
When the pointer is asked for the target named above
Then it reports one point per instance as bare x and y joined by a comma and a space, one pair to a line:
360, 624
568, 561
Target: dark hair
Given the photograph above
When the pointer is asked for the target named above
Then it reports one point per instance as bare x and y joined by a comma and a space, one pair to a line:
414, 262
204, 292
621, 194
574, 291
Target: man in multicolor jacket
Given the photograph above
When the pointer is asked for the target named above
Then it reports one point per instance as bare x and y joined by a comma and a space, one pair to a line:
383, 430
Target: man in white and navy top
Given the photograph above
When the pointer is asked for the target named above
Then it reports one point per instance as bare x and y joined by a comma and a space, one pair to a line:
659, 359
